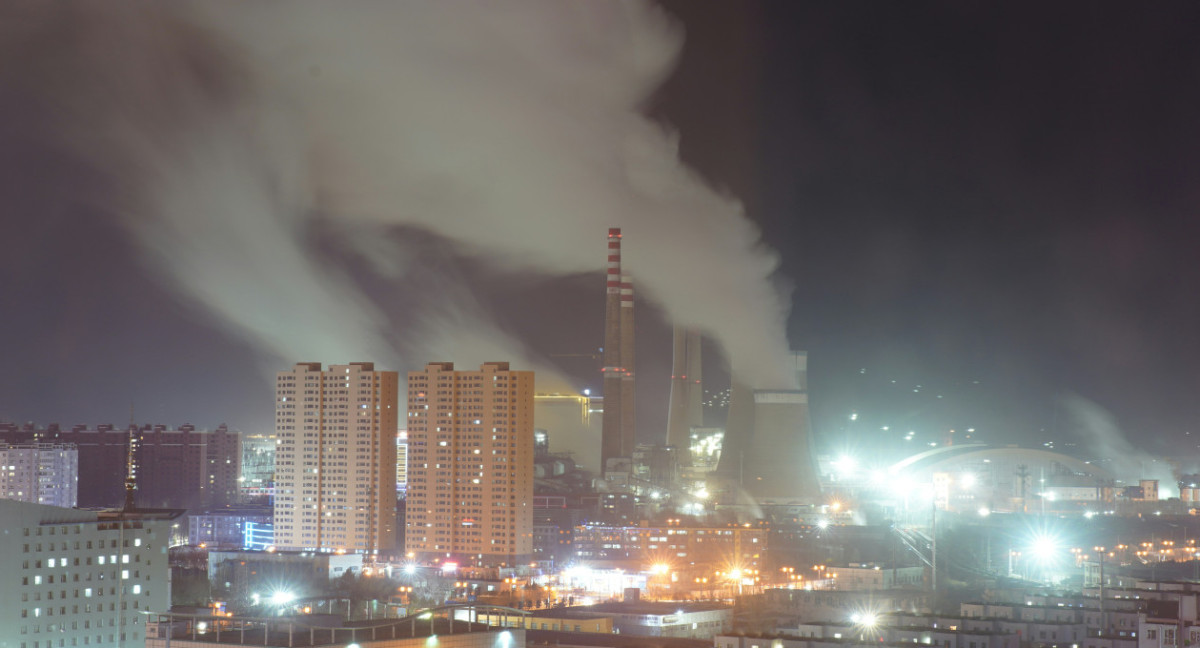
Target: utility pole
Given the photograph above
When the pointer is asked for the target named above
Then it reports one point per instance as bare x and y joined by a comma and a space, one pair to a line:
1101, 551
1023, 475
933, 534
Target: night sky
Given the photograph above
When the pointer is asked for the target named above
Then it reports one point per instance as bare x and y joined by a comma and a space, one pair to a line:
982, 209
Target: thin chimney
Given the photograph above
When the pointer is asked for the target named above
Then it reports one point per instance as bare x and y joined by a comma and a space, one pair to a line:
628, 422
610, 436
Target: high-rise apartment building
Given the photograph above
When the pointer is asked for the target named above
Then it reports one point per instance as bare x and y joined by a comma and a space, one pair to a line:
175, 467
401, 461
470, 464
258, 467
335, 463
187, 468
40, 473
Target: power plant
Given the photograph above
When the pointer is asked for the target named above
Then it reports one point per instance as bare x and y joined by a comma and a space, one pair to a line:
768, 442
687, 389
617, 435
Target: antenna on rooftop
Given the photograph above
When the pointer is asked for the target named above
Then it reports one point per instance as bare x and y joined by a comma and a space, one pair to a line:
130, 466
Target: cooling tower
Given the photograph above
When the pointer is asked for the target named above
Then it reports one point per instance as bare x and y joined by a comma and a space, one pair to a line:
611, 434
685, 409
775, 461
739, 428
628, 425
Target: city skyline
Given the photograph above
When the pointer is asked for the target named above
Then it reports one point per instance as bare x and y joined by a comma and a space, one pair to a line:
977, 230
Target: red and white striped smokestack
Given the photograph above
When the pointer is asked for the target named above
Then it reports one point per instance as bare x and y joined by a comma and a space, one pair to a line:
628, 421
610, 436
614, 260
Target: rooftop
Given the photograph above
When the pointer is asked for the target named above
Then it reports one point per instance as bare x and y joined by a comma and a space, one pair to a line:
662, 608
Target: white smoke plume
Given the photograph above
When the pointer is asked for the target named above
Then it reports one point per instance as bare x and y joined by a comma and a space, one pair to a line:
228, 133
1099, 432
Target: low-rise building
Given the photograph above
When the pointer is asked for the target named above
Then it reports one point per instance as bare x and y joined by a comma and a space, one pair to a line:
303, 570
872, 576
566, 619
226, 528
839, 605
78, 578
665, 619
686, 558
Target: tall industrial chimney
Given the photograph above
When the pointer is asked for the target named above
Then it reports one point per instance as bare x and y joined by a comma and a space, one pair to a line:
695, 381
686, 407
610, 435
628, 422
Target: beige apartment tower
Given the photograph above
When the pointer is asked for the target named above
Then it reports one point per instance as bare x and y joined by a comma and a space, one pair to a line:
470, 465
335, 462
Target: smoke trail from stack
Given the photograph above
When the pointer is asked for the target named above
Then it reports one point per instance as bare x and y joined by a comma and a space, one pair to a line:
1099, 432
221, 134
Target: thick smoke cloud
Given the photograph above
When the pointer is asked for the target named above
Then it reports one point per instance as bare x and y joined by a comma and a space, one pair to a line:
228, 134
1099, 432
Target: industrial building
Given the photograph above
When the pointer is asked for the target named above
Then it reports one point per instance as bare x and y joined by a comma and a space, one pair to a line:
335, 466
573, 425
471, 465
680, 559
975, 477
767, 447
685, 410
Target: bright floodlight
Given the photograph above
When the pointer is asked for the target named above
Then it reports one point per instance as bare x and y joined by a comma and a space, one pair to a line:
822, 524
1044, 547
282, 597
735, 574
869, 619
967, 480
984, 512
846, 465
410, 569
660, 568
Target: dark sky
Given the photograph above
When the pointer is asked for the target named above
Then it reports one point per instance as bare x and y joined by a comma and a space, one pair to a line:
982, 208
962, 192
